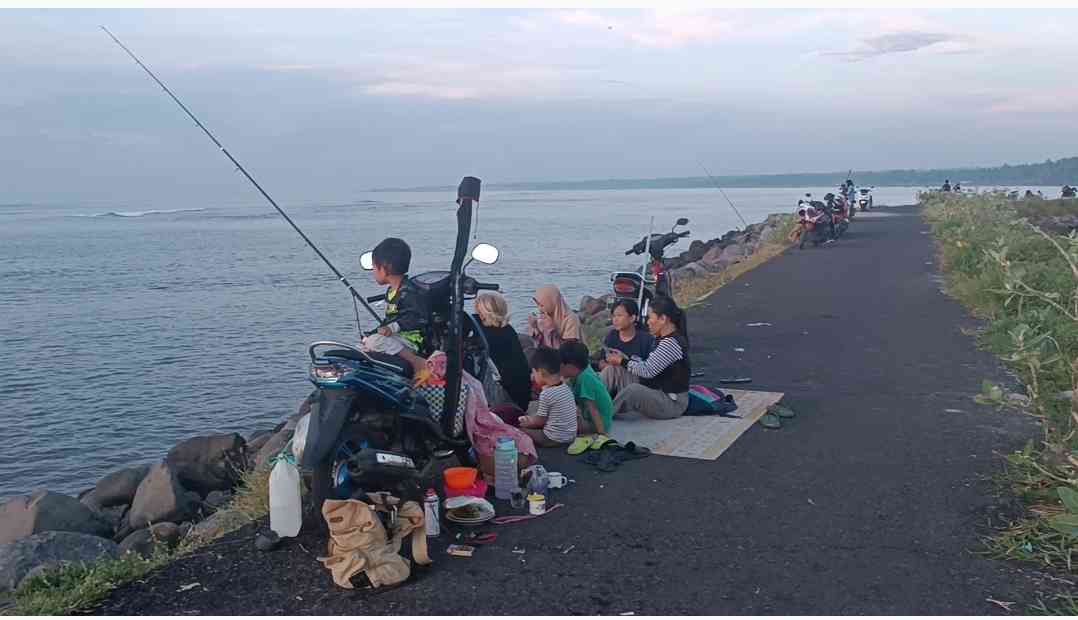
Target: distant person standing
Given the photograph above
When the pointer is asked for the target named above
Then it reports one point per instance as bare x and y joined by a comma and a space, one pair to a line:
946, 186
1069, 192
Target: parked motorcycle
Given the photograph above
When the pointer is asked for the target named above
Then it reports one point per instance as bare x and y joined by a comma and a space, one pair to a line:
839, 213
653, 278
814, 225
864, 198
368, 429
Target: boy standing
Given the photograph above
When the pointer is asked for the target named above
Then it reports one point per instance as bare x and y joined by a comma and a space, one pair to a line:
596, 409
406, 316
555, 422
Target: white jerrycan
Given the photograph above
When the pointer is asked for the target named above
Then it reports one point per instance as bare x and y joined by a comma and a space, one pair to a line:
286, 514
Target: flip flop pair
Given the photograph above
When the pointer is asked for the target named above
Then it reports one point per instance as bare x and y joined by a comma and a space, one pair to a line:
581, 444
774, 416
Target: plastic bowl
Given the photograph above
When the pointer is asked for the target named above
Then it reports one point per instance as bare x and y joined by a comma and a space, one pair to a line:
460, 477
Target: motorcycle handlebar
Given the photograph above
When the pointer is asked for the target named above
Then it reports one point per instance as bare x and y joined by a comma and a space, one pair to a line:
376, 298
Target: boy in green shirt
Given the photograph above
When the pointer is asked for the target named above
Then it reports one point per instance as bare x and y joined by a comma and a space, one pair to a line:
595, 413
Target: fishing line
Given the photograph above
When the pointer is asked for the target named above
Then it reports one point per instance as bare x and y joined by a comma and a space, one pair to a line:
355, 295
716, 184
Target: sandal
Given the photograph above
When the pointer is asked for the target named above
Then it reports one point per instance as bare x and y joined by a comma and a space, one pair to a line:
771, 421
631, 452
581, 444
781, 411
600, 441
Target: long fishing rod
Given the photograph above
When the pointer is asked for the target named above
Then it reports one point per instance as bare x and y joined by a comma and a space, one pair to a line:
716, 184
355, 295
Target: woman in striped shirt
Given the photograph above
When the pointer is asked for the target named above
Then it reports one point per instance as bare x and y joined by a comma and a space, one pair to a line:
663, 390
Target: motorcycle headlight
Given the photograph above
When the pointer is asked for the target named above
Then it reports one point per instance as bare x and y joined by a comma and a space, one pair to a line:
299, 437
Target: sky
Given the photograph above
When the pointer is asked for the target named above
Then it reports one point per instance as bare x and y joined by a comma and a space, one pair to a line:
326, 104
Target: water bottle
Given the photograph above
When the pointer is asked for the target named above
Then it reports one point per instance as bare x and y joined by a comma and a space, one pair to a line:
284, 489
505, 468
430, 514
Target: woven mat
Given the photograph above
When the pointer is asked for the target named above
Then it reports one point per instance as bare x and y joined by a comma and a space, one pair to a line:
697, 437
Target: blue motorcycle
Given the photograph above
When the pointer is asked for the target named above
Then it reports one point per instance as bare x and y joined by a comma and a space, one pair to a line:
367, 428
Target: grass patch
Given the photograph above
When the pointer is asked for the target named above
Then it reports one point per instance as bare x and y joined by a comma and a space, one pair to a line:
80, 587
1024, 282
695, 290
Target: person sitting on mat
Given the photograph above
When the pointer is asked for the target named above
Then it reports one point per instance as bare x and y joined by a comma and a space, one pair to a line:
636, 344
596, 410
554, 422
556, 322
505, 350
663, 390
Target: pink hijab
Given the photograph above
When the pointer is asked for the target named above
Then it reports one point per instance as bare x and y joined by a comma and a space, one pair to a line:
552, 331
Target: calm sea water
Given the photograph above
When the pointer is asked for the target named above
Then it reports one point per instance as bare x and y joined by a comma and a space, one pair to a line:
124, 331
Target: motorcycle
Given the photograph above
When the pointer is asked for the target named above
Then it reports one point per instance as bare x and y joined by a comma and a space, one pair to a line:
653, 278
864, 198
814, 225
839, 212
366, 427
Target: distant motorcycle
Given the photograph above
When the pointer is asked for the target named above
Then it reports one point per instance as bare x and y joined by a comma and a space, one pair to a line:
643, 288
864, 198
814, 228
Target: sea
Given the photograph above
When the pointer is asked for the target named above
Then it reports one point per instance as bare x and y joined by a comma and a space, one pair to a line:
125, 329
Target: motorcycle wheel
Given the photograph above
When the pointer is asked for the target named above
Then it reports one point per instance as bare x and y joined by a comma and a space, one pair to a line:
321, 490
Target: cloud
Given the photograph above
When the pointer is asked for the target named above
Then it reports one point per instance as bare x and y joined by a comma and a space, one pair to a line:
660, 28
899, 43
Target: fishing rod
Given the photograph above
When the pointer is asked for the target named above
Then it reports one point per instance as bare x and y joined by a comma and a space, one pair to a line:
355, 295
716, 184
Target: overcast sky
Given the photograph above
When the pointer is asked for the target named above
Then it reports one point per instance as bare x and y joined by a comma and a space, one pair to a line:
325, 104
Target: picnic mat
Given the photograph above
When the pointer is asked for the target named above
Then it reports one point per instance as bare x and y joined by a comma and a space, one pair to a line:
697, 437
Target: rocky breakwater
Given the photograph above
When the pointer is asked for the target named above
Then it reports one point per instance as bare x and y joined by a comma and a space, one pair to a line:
704, 260
185, 497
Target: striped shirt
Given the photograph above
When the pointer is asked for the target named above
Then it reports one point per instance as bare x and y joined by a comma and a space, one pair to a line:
666, 353
558, 406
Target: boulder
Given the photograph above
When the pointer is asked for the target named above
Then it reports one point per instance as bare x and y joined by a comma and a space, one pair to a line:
215, 526
257, 441
119, 487
272, 447
145, 541
217, 499
733, 253
590, 306
210, 462
692, 270
44, 511
114, 515
160, 497
47, 550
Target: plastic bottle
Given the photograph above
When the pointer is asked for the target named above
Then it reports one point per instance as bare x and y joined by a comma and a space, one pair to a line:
430, 513
505, 468
284, 494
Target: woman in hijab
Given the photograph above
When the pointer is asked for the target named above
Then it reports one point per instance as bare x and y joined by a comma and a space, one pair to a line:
556, 322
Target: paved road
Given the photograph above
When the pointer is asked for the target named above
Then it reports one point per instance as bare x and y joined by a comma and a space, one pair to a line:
871, 501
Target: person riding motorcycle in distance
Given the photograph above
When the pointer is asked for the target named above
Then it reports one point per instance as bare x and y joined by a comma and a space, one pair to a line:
401, 334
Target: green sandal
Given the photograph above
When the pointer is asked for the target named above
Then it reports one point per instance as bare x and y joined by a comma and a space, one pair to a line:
771, 421
581, 444
781, 411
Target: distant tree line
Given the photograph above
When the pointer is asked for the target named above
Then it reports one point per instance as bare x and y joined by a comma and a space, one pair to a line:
1058, 172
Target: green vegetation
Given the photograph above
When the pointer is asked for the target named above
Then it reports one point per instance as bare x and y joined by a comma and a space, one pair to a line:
1049, 173
80, 587
1024, 281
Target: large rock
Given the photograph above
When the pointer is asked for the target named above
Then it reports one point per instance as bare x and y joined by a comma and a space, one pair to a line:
118, 487
160, 497
688, 272
44, 511
46, 550
732, 253
215, 526
590, 306
145, 541
210, 462
272, 447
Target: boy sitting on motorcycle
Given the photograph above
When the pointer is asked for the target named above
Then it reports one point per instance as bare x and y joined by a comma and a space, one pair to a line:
401, 334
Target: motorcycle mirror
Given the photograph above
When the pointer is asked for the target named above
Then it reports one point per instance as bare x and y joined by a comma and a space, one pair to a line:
681, 221
366, 261
485, 253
